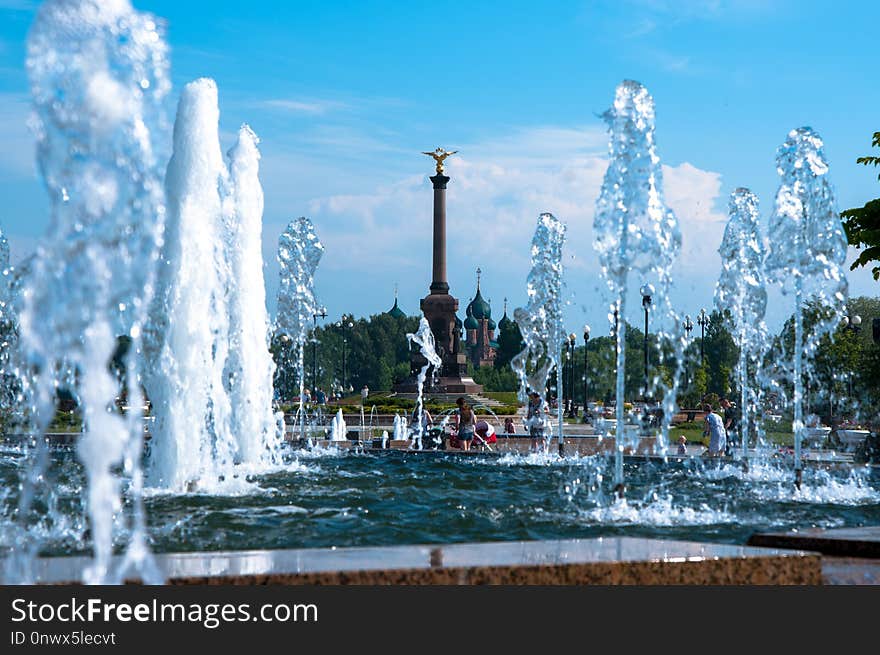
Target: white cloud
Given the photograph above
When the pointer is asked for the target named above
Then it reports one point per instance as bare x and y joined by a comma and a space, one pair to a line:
498, 189
303, 106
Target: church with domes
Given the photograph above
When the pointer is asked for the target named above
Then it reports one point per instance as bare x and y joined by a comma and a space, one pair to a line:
480, 343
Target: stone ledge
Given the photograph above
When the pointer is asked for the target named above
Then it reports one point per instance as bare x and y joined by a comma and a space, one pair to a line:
603, 561
840, 542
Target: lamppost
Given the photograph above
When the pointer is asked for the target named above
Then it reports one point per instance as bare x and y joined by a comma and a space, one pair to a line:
703, 322
572, 338
315, 318
647, 291
344, 323
286, 359
612, 332
854, 324
586, 339
688, 326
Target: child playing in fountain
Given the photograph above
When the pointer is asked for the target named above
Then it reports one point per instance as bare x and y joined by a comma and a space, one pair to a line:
682, 445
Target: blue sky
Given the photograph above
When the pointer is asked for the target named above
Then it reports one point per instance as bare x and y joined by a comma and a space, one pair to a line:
345, 96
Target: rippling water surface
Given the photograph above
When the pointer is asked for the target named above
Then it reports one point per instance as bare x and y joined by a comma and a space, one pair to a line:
339, 498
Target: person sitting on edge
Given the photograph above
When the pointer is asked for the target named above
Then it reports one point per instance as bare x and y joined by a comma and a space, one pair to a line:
682, 445
509, 427
465, 420
715, 431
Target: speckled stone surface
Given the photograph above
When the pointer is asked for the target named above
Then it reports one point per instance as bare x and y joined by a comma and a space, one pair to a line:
850, 571
605, 561
861, 542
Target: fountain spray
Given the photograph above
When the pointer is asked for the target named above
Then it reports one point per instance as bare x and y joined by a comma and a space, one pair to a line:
424, 338
635, 231
806, 255
741, 290
299, 252
540, 322
98, 75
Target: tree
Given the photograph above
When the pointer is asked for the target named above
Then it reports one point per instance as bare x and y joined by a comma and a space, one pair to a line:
862, 224
496, 379
721, 353
510, 344
376, 353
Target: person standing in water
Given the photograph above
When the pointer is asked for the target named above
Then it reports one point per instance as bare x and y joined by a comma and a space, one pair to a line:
466, 420
538, 421
715, 431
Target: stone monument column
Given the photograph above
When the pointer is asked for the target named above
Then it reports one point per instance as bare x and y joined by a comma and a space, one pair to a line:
439, 307
439, 283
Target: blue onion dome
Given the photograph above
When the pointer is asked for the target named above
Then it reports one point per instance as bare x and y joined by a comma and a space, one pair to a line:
396, 311
470, 323
491, 324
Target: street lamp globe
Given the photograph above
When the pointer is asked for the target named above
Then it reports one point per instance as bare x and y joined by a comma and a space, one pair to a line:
647, 291
586, 333
703, 318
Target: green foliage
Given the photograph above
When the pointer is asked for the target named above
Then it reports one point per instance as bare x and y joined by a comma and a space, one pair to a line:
862, 224
843, 375
375, 353
510, 344
496, 379
720, 352
506, 397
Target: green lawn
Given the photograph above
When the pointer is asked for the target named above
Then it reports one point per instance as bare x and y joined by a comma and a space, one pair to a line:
506, 397
694, 433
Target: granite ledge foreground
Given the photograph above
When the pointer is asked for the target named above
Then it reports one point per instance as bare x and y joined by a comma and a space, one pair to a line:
604, 561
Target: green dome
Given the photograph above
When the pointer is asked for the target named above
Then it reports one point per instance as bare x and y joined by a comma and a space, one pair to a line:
396, 311
505, 322
470, 323
479, 307
491, 324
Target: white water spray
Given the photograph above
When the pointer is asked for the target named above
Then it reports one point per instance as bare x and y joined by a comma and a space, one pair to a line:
741, 290
299, 252
540, 322
188, 336
635, 231
806, 254
424, 338
250, 368
98, 74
